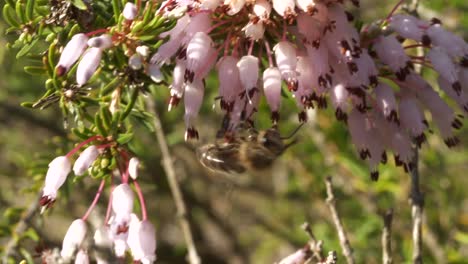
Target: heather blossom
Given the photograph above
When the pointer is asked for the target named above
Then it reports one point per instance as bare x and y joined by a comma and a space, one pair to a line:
318, 54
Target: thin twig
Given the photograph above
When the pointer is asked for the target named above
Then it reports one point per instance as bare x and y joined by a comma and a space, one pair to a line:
417, 205
168, 166
315, 245
21, 227
344, 242
387, 237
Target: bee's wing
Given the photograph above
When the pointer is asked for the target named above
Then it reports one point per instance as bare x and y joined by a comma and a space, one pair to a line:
221, 158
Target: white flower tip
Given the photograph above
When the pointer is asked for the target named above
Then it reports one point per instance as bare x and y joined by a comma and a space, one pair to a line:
130, 11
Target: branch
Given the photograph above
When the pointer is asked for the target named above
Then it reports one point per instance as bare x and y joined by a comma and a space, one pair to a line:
344, 242
417, 205
168, 166
315, 245
387, 237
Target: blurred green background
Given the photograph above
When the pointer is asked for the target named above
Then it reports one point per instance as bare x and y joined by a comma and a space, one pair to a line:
242, 218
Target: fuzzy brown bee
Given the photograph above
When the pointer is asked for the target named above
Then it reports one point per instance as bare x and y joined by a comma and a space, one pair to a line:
247, 150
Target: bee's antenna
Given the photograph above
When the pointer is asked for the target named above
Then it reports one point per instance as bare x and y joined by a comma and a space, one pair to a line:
292, 134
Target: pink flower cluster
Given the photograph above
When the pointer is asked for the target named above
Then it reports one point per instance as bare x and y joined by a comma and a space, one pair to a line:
313, 48
90, 50
122, 229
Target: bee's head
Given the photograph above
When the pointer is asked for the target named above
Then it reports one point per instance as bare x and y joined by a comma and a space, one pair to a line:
271, 139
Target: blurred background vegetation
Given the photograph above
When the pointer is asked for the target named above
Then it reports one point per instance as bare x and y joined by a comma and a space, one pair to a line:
241, 218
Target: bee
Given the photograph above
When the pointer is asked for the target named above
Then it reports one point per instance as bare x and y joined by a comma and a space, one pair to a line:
247, 149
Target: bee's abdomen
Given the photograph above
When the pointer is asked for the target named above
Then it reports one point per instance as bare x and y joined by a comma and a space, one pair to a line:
223, 158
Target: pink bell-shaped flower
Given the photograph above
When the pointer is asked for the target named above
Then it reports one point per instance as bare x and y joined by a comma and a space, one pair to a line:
55, 177
71, 53
177, 87
198, 50
88, 65
272, 90
230, 86
248, 71
286, 60
444, 65
193, 100
386, 101
142, 240
122, 200
84, 161
73, 238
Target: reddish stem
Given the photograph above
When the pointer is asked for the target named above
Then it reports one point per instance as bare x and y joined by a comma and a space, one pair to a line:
268, 50
74, 150
109, 204
97, 31
394, 9
252, 42
96, 199
142, 201
218, 25
103, 146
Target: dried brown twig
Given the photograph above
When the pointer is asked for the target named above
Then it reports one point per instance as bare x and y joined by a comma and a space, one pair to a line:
344, 242
168, 166
387, 237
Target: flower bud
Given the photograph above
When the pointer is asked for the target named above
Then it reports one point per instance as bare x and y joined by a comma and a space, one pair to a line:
85, 160
143, 51
135, 62
130, 11
154, 73
56, 176
73, 238
71, 53
102, 42
88, 65
133, 166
